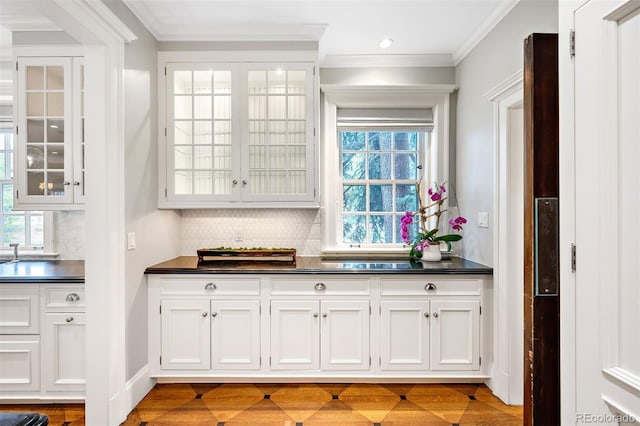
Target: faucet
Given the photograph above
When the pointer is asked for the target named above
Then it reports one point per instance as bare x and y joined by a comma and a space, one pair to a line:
15, 251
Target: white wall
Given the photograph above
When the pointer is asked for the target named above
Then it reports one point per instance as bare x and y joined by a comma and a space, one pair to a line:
498, 56
157, 231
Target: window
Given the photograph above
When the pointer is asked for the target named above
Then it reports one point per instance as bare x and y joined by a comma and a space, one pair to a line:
378, 142
23, 227
379, 172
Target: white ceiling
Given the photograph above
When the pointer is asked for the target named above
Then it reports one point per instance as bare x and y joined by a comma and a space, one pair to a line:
425, 32
348, 32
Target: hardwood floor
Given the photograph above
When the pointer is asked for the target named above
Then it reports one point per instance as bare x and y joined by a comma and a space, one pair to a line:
305, 405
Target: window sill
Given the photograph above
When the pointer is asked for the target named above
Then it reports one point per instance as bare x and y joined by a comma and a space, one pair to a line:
364, 253
29, 255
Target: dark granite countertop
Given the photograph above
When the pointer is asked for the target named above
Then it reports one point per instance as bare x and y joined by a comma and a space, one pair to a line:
317, 265
42, 271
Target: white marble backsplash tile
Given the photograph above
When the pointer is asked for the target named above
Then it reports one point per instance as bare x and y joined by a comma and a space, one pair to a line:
290, 228
68, 234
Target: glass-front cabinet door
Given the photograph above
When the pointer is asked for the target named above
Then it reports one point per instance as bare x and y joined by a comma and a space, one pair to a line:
47, 131
239, 135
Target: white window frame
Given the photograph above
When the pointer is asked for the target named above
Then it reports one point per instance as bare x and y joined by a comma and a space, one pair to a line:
343, 96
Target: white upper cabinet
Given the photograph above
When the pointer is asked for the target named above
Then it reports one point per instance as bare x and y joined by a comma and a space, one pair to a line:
239, 135
49, 166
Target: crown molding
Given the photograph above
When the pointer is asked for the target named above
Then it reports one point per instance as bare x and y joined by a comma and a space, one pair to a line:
386, 61
498, 14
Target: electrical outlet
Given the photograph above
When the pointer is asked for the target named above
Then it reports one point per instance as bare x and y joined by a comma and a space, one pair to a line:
483, 220
131, 240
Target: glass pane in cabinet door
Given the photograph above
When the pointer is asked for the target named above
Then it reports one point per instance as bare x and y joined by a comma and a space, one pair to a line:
35, 77
297, 157
222, 158
297, 81
203, 157
182, 106
277, 107
257, 107
277, 182
55, 77
201, 107
222, 132
13, 230
183, 182
277, 81
35, 130
257, 157
222, 107
35, 156
201, 132
203, 182
257, 82
35, 104
55, 104
35, 183
202, 81
258, 181
277, 159
55, 131
182, 132
297, 132
55, 156
277, 132
297, 182
55, 184
222, 182
182, 82
296, 107
222, 82
183, 157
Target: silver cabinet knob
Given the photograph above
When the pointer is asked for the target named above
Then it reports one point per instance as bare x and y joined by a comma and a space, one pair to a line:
69, 319
235, 181
315, 315
324, 315
320, 286
66, 183
435, 315
430, 287
76, 183
210, 286
214, 314
72, 297
244, 182
204, 314
426, 314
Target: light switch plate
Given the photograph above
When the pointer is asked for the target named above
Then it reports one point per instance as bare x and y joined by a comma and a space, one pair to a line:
483, 219
131, 240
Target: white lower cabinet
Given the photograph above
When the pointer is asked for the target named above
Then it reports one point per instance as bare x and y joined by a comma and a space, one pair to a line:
314, 334
235, 335
42, 351
64, 349
186, 331
331, 326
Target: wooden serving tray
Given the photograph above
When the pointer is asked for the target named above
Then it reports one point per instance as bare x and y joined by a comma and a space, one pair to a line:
258, 254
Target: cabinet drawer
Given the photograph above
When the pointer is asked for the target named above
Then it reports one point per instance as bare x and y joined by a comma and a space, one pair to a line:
320, 286
64, 298
19, 363
430, 287
19, 310
210, 286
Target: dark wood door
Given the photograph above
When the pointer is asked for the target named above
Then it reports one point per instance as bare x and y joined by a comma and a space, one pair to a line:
541, 268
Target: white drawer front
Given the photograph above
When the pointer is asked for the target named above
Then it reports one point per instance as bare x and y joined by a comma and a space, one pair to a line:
210, 287
320, 286
64, 298
430, 287
19, 310
19, 363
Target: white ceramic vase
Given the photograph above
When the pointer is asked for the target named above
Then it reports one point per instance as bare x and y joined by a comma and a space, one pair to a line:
432, 253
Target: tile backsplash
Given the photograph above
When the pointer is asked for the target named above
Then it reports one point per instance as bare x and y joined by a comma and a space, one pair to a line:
68, 234
290, 228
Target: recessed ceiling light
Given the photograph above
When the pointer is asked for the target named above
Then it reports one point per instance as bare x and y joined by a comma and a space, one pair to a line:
386, 43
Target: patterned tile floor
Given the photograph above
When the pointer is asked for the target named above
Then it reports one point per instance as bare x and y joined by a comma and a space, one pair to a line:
305, 405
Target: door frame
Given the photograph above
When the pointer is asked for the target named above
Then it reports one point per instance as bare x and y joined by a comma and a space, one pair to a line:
506, 378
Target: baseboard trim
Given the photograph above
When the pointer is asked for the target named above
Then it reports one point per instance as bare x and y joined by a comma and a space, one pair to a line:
134, 390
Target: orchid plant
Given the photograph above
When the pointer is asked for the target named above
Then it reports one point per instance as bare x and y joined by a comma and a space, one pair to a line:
426, 237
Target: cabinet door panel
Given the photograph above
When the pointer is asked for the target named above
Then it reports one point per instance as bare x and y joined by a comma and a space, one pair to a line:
19, 310
185, 335
235, 335
19, 363
404, 335
64, 351
455, 335
345, 335
295, 335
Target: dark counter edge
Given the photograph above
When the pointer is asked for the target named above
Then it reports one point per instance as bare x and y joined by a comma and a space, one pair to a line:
464, 267
42, 279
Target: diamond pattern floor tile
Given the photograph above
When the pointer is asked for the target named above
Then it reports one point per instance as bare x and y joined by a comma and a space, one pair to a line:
304, 405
